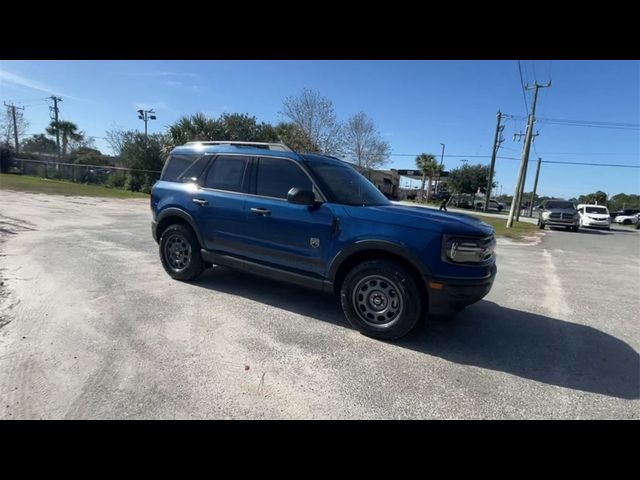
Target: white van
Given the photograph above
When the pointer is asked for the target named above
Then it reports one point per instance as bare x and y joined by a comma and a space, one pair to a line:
594, 216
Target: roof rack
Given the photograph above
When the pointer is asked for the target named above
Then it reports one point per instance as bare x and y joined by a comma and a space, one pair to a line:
280, 147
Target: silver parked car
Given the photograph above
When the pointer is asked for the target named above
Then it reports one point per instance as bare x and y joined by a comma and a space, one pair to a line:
558, 213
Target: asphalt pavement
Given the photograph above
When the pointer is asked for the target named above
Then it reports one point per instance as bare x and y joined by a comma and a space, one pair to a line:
92, 327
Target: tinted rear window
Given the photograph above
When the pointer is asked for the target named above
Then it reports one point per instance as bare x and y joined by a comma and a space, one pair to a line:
226, 173
184, 166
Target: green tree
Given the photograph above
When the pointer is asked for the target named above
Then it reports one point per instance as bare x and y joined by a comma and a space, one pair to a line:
623, 200
599, 197
88, 156
429, 167
39, 143
295, 138
68, 133
243, 127
469, 179
140, 152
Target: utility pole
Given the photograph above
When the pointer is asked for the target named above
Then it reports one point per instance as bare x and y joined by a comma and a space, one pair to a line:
55, 113
535, 187
515, 204
526, 169
15, 124
496, 145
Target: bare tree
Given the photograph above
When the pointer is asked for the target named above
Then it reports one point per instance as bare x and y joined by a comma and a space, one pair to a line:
314, 115
363, 144
6, 126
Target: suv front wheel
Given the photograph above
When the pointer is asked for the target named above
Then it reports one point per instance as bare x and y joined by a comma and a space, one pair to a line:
180, 252
381, 299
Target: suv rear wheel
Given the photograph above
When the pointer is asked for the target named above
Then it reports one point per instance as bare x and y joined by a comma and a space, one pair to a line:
381, 299
180, 252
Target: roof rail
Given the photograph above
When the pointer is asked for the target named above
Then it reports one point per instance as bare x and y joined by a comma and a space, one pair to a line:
280, 147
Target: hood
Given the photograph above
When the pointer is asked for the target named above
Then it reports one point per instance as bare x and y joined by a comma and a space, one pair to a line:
421, 218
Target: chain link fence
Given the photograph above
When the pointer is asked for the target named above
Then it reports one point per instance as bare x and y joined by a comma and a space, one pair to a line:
116, 177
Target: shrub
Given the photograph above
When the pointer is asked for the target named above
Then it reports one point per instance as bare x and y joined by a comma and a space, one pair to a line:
116, 180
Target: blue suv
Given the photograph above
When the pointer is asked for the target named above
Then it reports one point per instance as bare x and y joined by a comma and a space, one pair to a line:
313, 220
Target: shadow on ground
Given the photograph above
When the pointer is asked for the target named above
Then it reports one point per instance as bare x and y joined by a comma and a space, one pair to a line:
485, 335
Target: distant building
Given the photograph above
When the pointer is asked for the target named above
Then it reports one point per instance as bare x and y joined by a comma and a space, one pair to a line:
387, 181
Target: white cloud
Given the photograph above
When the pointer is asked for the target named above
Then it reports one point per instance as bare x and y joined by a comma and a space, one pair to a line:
158, 74
173, 83
13, 79
153, 106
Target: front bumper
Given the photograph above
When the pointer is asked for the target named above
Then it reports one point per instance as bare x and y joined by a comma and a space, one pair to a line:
595, 223
154, 228
448, 295
556, 222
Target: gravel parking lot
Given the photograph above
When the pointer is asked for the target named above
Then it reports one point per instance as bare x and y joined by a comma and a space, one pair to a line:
92, 327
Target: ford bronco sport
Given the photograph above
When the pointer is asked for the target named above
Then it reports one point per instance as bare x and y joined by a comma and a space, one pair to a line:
313, 220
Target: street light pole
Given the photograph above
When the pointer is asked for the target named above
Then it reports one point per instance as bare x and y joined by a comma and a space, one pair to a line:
146, 115
440, 171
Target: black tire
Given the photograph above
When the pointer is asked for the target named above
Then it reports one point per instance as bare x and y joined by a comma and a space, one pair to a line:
540, 225
401, 305
626, 222
180, 266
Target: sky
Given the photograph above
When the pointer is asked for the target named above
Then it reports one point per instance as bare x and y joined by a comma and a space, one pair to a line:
416, 105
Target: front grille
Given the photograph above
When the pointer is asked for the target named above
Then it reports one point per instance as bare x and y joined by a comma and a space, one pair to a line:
567, 216
554, 215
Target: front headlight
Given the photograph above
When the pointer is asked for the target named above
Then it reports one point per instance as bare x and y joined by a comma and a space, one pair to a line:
476, 250
546, 214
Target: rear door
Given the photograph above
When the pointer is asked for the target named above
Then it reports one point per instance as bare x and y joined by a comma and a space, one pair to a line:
291, 237
220, 204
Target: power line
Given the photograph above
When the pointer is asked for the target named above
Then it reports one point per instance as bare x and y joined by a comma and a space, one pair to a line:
582, 123
593, 164
592, 153
524, 94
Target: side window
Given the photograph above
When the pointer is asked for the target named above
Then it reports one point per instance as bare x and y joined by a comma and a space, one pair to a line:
226, 173
179, 166
276, 177
176, 164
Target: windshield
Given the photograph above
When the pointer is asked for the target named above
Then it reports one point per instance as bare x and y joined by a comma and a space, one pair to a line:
560, 205
345, 185
596, 210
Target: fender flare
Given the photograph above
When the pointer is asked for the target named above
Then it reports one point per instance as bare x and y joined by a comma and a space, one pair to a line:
383, 245
178, 212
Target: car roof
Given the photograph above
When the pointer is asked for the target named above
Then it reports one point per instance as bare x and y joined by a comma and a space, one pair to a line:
250, 148
591, 205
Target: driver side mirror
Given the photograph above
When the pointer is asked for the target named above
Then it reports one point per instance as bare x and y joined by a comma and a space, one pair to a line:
300, 196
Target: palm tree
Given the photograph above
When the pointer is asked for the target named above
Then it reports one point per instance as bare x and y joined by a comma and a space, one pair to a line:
429, 167
68, 132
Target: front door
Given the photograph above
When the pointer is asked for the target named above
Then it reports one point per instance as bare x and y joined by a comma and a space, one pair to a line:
281, 234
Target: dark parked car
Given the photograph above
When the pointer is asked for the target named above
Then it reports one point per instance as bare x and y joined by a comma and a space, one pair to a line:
315, 221
558, 213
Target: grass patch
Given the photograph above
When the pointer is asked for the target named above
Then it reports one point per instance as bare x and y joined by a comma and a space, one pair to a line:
24, 183
517, 231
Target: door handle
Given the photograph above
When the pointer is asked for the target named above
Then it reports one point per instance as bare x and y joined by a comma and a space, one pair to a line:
261, 211
199, 201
